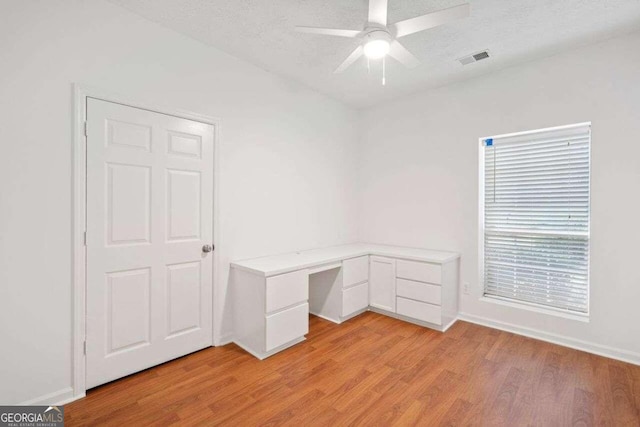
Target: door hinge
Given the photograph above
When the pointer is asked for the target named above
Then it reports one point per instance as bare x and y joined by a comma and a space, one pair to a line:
85, 238
84, 348
86, 131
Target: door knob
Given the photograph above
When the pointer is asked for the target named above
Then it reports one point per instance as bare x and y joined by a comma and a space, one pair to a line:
207, 248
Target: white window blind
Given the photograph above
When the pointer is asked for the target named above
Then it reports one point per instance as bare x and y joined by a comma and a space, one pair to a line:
536, 217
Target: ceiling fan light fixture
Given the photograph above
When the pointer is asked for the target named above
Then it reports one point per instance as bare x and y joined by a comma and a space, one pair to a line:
379, 39
376, 49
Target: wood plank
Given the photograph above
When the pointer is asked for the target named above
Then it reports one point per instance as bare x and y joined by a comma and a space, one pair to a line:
375, 370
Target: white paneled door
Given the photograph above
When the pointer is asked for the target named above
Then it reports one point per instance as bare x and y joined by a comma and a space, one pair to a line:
149, 222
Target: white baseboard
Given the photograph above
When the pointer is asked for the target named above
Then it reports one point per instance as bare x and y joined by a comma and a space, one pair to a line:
407, 319
71, 399
354, 314
60, 397
269, 353
224, 340
450, 324
589, 347
325, 318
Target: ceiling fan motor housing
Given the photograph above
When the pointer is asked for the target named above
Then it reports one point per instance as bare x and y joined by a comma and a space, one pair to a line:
376, 33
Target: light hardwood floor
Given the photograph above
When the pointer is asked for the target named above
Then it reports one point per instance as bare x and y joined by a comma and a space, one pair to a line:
374, 370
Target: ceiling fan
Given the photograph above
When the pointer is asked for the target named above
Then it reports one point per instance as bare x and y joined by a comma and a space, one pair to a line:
380, 39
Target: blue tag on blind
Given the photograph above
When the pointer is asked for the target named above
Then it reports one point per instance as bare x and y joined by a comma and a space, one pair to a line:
488, 142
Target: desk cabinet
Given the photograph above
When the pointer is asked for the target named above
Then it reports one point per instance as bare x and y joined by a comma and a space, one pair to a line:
355, 284
269, 314
272, 297
341, 291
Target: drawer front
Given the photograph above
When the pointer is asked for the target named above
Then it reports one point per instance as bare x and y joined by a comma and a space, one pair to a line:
419, 291
286, 290
354, 271
355, 298
286, 326
419, 310
420, 271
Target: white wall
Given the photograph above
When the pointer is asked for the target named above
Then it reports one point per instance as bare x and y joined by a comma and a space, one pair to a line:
288, 167
419, 178
287, 179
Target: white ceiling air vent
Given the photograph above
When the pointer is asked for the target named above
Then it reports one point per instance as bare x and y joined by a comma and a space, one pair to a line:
479, 56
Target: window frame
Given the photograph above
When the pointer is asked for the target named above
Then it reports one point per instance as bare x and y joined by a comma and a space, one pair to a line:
512, 302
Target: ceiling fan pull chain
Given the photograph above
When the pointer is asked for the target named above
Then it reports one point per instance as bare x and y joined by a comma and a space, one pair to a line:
384, 71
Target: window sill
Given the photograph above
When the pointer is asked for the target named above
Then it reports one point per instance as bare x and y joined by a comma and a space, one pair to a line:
536, 309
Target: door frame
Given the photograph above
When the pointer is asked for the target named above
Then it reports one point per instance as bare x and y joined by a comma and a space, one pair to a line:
79, 218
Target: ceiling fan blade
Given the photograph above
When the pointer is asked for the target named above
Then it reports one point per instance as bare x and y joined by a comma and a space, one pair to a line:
430, 20
350, 60
329, 31
378, 12
402, 55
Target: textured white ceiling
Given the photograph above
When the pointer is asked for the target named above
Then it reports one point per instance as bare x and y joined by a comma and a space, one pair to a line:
514, 31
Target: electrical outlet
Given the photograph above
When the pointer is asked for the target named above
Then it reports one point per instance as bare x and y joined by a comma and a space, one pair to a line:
465, 288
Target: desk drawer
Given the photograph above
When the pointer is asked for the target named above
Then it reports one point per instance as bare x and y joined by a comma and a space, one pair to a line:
420, 271
419, 310
286, 326
354, 271
355, 298
419, 291
286, 290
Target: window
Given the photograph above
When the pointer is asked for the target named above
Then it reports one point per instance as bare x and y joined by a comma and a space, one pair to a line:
535, 215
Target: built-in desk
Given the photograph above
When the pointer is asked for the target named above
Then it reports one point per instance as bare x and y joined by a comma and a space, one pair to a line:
273, 295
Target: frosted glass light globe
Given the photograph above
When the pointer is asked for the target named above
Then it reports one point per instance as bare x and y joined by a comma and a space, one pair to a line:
376, 49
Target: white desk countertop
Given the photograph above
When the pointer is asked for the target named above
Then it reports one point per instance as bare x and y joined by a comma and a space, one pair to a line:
279, 264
